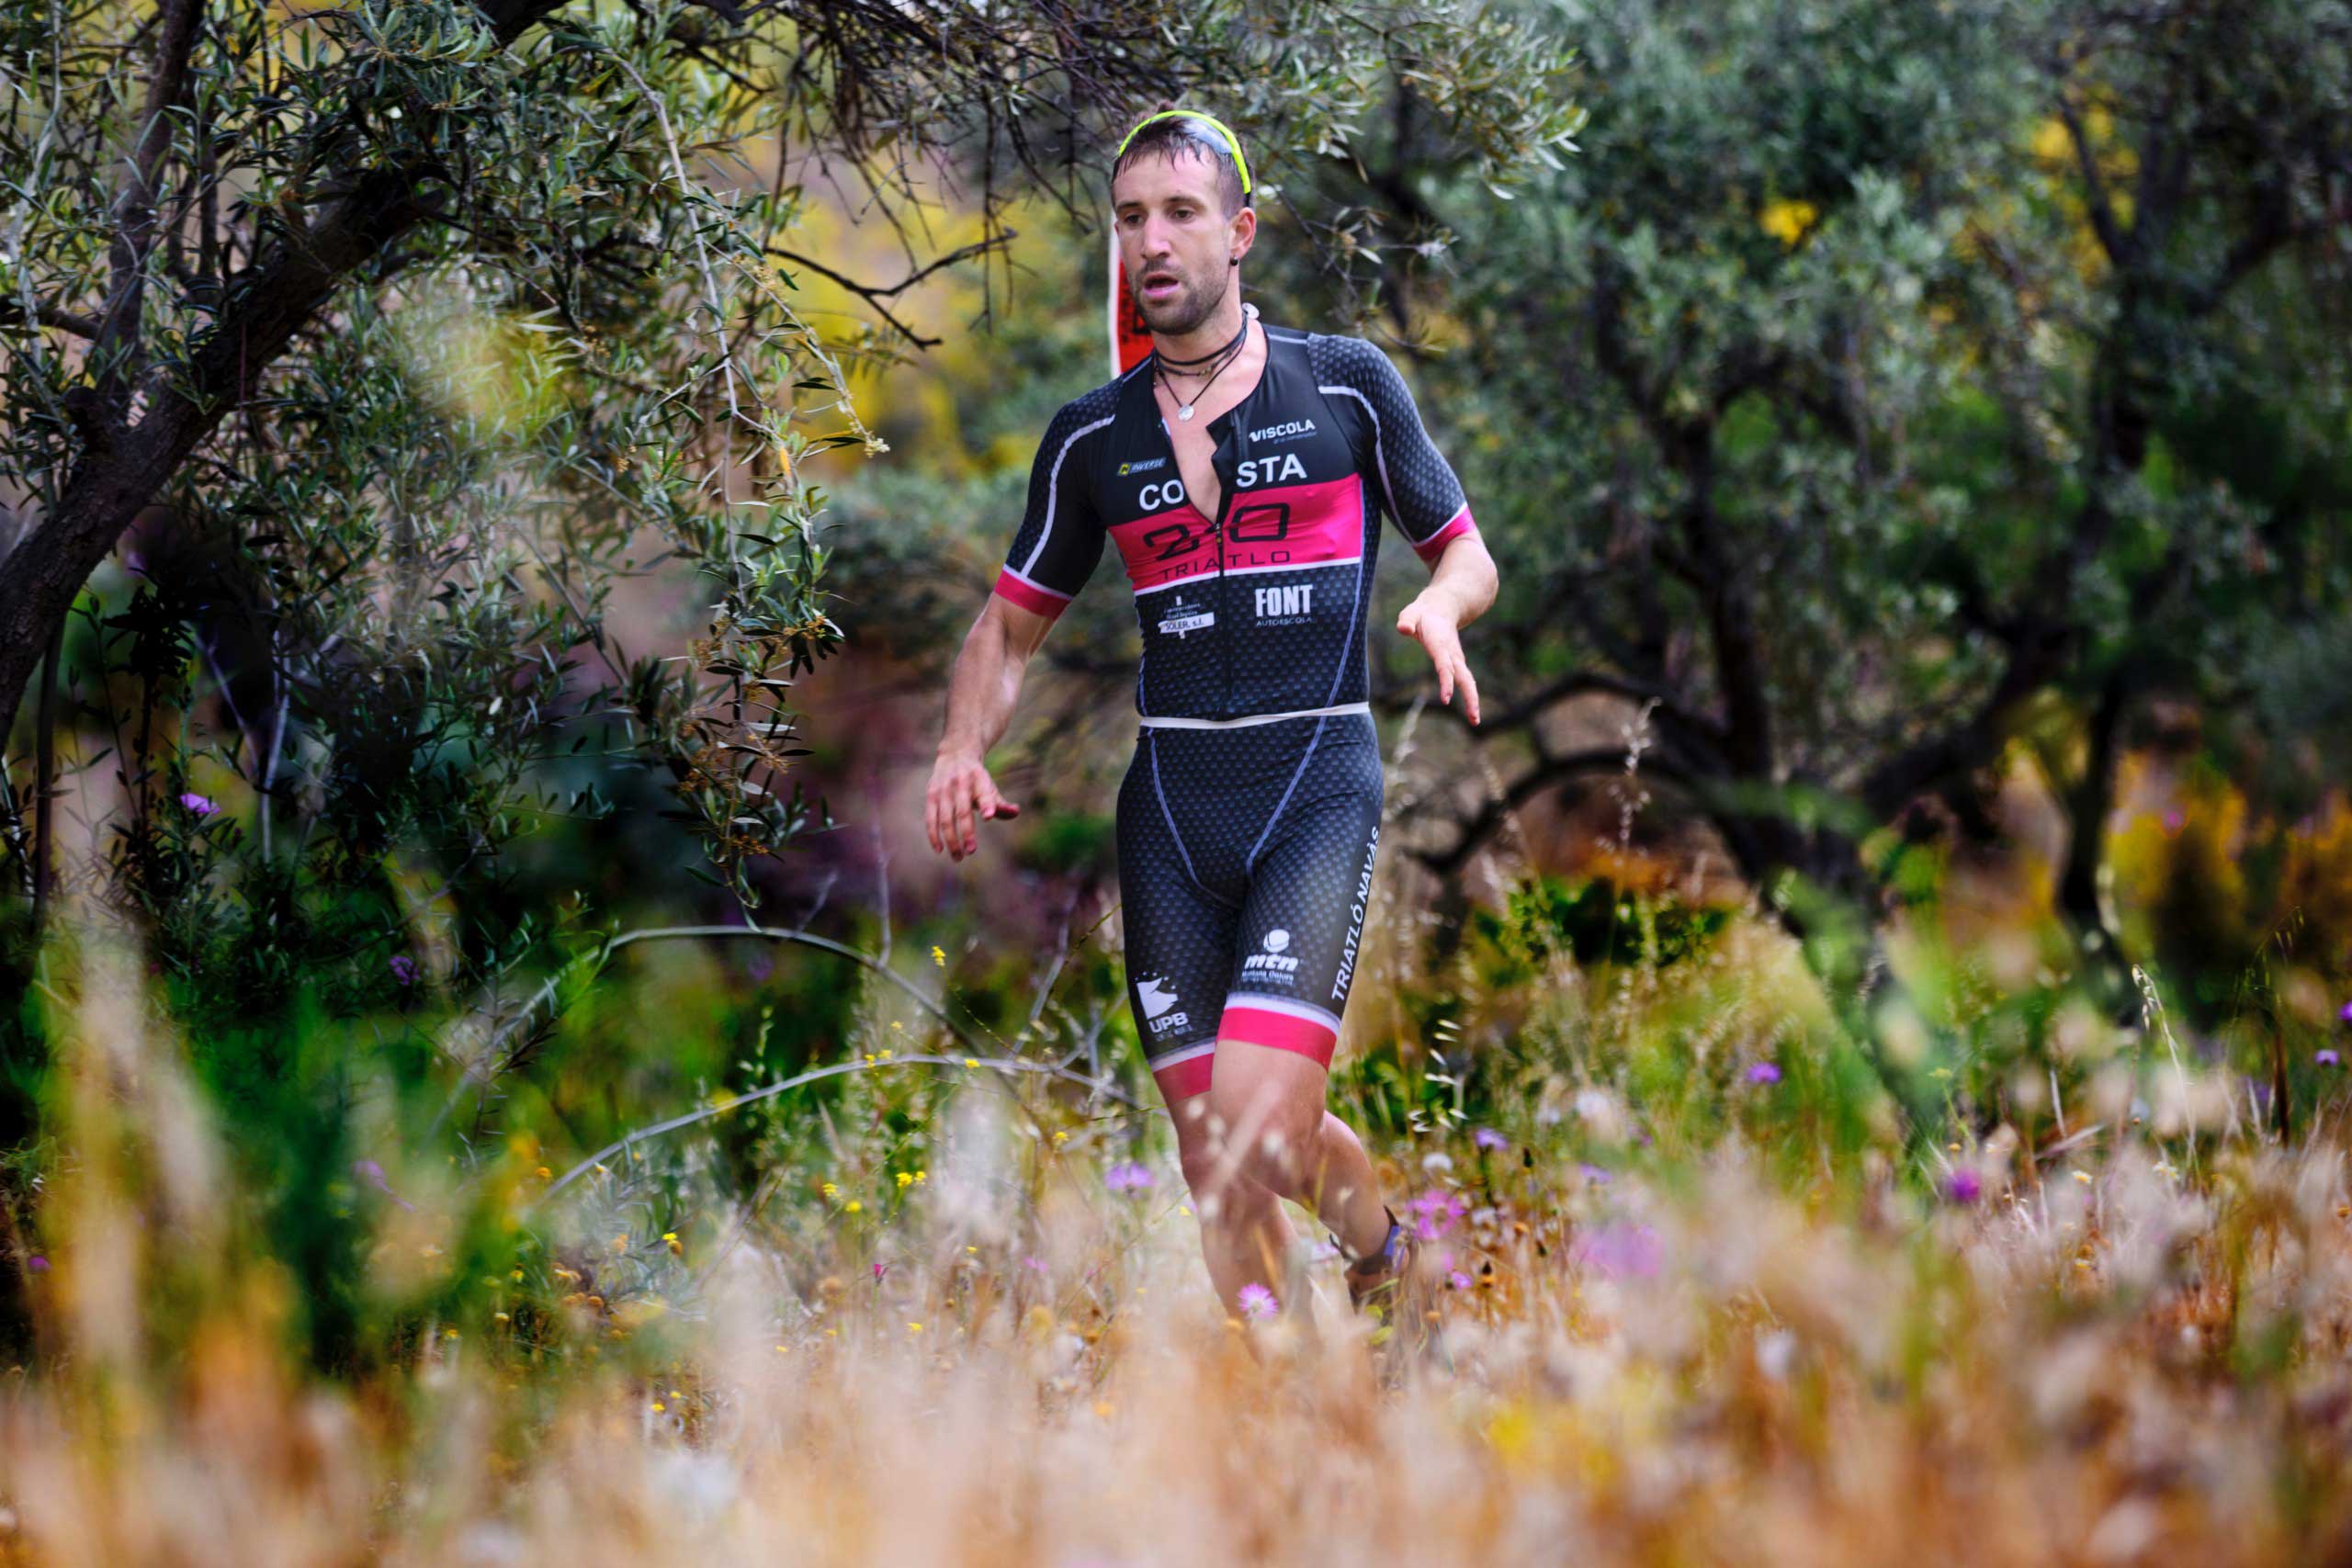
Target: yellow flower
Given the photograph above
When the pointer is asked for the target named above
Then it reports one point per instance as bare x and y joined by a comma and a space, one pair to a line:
658, 1407
830, 1190
971, 1061
886, 1056
853, 1206
939, 955
1061, 1137
671, 1238
546, 1175
914, 1328
906, 1178
620, 1243
923, 1175
1788, 220
2084, 1177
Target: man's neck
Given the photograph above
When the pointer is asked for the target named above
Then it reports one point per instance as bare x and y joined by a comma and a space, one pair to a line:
1222, 327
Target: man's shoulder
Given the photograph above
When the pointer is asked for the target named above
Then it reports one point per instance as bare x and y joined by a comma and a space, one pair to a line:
1349, 360
1089, 411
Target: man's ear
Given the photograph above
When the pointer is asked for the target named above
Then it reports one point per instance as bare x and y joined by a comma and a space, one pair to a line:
1244, 233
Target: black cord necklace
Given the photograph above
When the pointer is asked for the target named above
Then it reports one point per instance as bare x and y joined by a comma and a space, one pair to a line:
1223, 356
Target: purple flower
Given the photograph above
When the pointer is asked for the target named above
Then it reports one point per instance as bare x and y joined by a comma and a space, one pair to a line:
1593, 1174
1037, 1265
1617, 1250
2344, 1012
2173, 820
1258, 1303
195, 803
404, 968
2327, 1059
1487, 1138
1764, 1072
880, 1269
37, 1264
1129, 1177
1963, 1186
1458, 1279
1435, 1211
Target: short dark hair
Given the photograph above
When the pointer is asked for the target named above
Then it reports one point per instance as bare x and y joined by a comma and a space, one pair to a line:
1184, 136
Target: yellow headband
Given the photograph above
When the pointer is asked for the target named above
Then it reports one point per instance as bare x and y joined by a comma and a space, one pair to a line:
1232, 142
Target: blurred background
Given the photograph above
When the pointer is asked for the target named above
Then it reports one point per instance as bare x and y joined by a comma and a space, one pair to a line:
492, 496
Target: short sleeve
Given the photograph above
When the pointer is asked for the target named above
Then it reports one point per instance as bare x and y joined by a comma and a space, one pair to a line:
1416, 482
1061, 534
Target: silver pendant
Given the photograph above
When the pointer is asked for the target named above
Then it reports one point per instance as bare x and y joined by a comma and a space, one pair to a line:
1185, 412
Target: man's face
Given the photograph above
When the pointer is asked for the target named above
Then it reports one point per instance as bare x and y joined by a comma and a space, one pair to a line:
1176, 241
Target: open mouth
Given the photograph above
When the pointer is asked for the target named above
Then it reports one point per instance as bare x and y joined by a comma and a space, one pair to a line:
1160, 286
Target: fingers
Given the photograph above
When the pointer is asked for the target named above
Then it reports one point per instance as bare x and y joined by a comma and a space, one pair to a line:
960, 842
1469, 689
1408, 619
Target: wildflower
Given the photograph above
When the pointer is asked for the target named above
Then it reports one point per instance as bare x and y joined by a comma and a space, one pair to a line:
37, 1264
1487, 1138
1764, 1072
1788, 220
939, 955
853, 1206
906, 1180
1127, 1176
922, 1176
1061, 1137
1258, 1303
404, 968
2084, 1177
830, 1190
2173, 820
914, 1328
197, 805
1963, 1186
1458, 1279
669, 1239
1593, 1174
1036, 1264
2327, 1059
971, 1061
1435, 1211
2346, 1013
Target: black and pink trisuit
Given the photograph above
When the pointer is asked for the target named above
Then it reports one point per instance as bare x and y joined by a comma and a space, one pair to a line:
1249, 818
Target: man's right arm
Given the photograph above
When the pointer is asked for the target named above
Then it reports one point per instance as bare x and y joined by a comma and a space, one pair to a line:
1053, 552
981, 696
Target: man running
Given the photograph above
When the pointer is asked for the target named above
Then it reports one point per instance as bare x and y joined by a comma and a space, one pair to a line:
1241, 469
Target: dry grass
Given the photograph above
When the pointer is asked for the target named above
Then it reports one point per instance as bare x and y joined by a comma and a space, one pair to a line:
1662, 1363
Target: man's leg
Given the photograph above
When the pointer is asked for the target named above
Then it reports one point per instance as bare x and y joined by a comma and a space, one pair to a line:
1245, 1235
1268, 1127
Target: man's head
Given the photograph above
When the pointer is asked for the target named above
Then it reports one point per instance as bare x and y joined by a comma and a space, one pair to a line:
1180, 198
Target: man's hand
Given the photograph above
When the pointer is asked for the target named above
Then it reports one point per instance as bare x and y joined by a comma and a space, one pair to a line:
961, 796
1433, 618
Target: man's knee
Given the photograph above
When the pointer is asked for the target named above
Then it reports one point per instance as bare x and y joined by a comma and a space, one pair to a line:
1267, 1139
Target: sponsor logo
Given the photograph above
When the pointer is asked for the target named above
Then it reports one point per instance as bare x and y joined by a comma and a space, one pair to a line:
1355, 919
1182, 617
1289, 431
1267, 471
1167, 492
1156, 1003
1144, 467
1285, 607
1272, 962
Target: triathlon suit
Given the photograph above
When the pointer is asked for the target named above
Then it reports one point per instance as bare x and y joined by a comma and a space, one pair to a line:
1248, 821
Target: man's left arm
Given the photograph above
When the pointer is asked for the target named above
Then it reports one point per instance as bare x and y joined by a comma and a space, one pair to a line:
1426, 499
